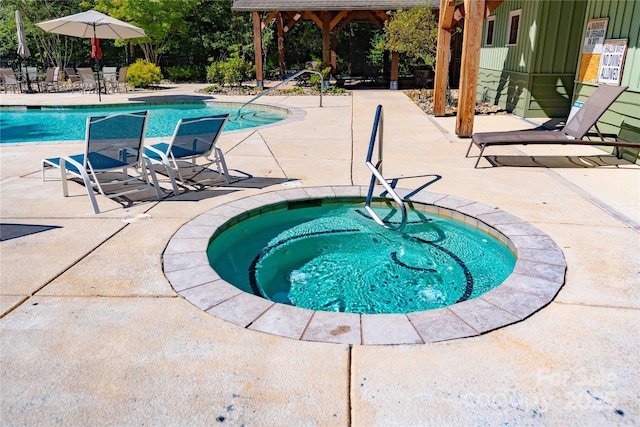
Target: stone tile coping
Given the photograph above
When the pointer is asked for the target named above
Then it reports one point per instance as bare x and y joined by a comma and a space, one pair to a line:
538, 275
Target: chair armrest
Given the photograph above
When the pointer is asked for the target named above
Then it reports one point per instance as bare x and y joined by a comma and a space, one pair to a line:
160, 153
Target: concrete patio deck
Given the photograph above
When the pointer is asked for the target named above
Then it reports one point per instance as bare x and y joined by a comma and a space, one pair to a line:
93, 334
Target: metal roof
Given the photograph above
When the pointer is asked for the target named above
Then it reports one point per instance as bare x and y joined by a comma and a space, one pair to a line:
304, 5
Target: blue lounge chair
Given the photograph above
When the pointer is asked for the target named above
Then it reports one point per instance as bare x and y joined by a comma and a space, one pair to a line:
192, 139
113, 145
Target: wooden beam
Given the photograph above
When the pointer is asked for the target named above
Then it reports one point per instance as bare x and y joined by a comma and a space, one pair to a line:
311, 16
336, 19
447, 9
334, 56
374, 19
257, 46
344, 23
326, 40
280, 30
293, 21
268, 19
471, 44
491, 6
382, 15
442, 59
395, 60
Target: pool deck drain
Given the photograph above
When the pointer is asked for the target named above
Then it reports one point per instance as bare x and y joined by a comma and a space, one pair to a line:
537, 277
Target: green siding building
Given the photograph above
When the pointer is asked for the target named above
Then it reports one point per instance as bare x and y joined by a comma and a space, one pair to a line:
532, 53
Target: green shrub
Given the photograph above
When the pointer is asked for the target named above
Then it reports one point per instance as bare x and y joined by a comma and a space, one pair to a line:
214, 73
296, 90
335, 90
212, 89
234, 71
143, 74
184, 73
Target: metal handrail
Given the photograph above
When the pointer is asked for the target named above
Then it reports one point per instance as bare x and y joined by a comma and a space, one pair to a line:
376, 175
296, 75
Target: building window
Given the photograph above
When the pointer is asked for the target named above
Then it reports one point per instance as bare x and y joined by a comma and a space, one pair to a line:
514, 27
491, 29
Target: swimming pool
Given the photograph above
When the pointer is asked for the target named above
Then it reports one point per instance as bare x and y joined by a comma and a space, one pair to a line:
42, 124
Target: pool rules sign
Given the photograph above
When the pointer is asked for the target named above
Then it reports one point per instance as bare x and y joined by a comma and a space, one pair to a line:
612, 61
592, 49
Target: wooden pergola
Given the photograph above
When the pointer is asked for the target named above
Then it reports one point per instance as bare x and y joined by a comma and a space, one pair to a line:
331, 16
453, 14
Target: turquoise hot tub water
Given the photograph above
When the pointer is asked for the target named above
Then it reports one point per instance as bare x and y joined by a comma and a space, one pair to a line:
334, 257
44, 124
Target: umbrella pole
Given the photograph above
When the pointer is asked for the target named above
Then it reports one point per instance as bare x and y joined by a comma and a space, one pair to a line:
97, 65
98, 73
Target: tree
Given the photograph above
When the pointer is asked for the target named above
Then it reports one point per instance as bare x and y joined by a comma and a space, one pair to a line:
48, 48
413, 32
160, 20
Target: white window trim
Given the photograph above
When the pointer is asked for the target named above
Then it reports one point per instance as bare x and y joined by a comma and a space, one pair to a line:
517, 12
491, 18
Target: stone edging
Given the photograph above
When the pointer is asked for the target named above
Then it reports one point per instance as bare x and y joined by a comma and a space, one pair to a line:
538, 275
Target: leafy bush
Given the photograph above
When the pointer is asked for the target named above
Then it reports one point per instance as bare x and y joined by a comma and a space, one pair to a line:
212, 89
143, 74
184, 73
335, 90
234, 71
296, 90
315, 80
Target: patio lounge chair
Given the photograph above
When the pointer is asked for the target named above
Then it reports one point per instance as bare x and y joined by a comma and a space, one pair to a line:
51, 79
109, 77
87, 79
573, 133
113, 145
9, 80
72, 77
193, 138
122, 80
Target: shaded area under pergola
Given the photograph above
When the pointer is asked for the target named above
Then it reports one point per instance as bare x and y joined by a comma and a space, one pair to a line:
331, 16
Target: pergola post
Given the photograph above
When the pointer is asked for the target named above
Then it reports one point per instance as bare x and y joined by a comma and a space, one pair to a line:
471, 43
334, 57
394, 70
447, 8
280, 29
257, 46
326, 40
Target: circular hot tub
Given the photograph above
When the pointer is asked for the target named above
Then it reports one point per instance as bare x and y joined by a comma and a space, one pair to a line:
309, 264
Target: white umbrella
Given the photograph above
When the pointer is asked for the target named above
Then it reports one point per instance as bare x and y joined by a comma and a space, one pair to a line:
92, 24
23, 49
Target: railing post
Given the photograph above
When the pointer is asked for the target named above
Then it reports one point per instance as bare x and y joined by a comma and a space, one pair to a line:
376, 174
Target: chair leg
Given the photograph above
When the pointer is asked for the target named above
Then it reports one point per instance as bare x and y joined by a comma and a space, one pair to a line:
479, 156
469, 149
147, 169
221, 160
87, 183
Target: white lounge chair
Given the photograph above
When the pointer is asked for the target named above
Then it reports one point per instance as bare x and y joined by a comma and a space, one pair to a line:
50, 79
87, 79
121, 83
192, 139
109, 77
113, 145
9, 80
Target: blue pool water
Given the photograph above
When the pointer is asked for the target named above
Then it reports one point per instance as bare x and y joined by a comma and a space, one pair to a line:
69, 124
336, 258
